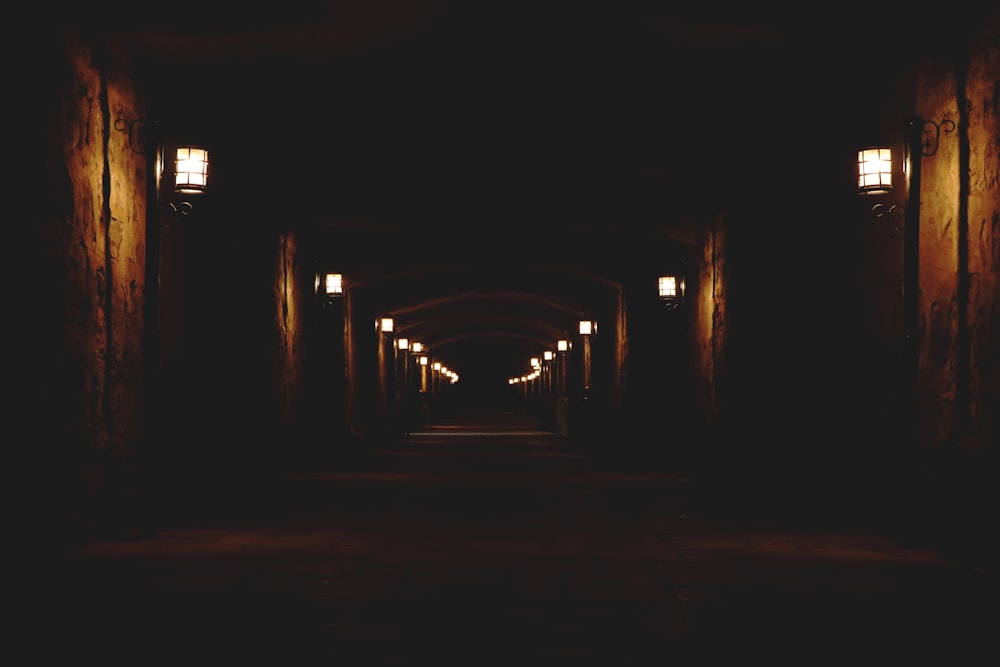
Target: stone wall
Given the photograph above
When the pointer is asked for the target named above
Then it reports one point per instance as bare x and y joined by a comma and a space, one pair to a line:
709, 322
947, 477
982, 101
85, 285
959, 209
290, 290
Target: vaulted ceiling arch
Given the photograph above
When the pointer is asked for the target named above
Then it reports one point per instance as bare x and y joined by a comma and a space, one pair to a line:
483, 316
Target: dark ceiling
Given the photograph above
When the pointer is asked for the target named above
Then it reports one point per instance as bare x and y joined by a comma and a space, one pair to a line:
415, 128
390, 110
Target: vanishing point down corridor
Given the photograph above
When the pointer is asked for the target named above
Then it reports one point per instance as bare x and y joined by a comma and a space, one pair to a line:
486, 541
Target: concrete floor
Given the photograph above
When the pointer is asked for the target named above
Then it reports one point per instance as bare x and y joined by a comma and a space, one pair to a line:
494, 544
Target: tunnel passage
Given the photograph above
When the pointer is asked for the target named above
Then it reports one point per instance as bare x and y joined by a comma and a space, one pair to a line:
486, 318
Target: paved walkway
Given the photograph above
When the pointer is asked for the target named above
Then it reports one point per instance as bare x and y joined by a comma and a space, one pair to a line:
487, 544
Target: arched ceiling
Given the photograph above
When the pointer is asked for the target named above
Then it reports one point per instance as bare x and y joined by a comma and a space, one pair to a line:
487, 320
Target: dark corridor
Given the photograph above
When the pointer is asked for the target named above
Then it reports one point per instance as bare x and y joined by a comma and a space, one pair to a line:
394, 332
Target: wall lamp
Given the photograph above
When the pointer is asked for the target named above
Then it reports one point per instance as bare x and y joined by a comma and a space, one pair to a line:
189, 170
875, 172
671, 290
384, 324
190, 176
329, 287
587, 327
562, 345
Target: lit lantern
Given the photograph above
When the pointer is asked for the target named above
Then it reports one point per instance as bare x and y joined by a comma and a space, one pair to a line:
875, 170
671, 290
191, 170
334, 283
668, 287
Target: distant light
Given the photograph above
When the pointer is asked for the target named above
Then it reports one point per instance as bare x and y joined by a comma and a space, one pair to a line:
334, 283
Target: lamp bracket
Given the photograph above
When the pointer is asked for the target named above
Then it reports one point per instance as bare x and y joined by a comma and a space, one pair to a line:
173, 213
892, 213
180, 208
135, 132
931, 134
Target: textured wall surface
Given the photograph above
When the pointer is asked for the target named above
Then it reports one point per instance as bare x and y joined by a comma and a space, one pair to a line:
90, 351
983, 315
710, 320
940, 224
290, 299
125, 229
960, 206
